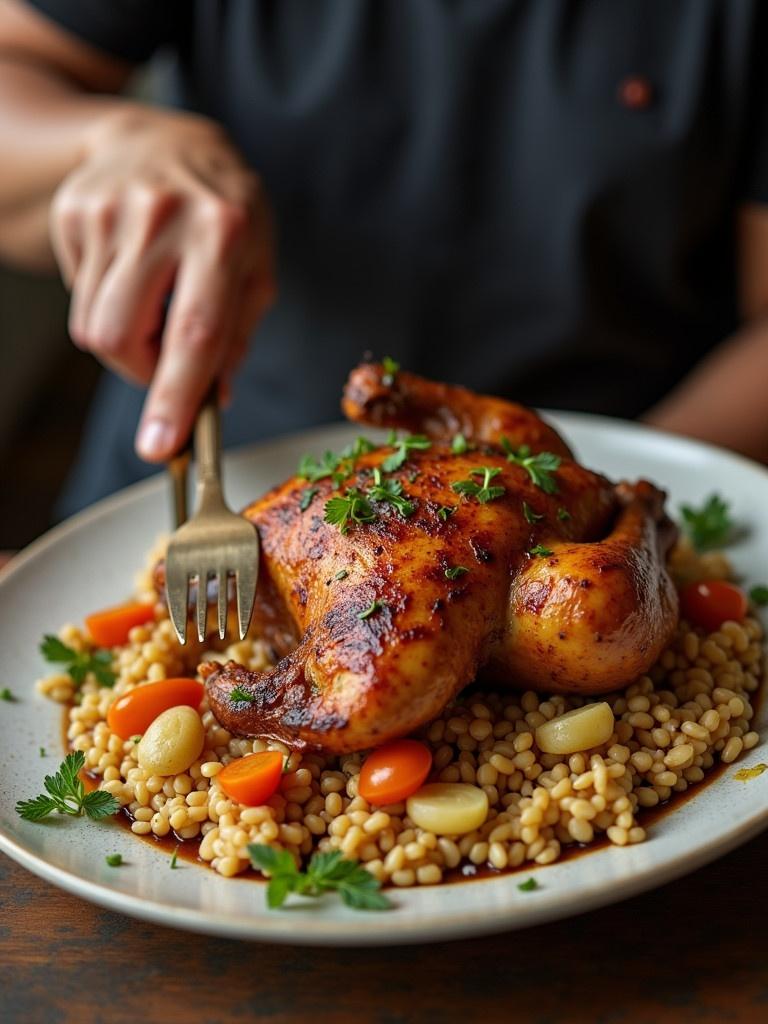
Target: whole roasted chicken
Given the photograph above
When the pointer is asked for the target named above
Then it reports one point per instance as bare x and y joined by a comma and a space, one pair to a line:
393, 576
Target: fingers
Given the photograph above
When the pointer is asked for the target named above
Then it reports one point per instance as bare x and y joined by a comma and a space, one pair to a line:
195, 341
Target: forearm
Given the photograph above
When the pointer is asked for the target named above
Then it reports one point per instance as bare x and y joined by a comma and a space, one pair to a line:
724, 400
45, 123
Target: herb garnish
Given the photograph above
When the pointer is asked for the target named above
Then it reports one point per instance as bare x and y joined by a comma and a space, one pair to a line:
759, 595
403, 447
78, 663
445, 512
530, 885
114, 859
239, 694
392, 492
6, 694
460, 445
455, 572
390, 369
360, 446
540, 551
312, 470
66, 794
306, 498
563, 514
709, 526
343, 511
373, 607
483, 492
341, 574
326, 872
43, 752
539, 467
530, 515
174, 857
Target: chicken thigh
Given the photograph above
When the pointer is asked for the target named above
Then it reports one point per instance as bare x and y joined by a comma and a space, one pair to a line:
497, 554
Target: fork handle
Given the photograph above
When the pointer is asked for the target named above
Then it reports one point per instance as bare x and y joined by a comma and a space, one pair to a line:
208, 439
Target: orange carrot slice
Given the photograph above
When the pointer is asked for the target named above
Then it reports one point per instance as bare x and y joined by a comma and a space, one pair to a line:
132, 714
252, 779
394, 771
110, 627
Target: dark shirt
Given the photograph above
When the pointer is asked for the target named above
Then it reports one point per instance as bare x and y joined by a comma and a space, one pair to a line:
470, 186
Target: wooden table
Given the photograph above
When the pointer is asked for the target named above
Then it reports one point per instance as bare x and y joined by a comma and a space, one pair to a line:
694, 950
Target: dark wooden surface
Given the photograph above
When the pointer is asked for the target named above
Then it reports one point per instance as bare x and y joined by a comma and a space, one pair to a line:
694, 950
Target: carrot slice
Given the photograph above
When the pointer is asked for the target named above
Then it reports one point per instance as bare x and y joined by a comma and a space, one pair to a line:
393, 772
252, 779
133, 713
110, 627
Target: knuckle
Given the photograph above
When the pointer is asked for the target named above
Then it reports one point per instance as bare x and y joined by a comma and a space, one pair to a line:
101, 211
225, 222
196, 331
66, 209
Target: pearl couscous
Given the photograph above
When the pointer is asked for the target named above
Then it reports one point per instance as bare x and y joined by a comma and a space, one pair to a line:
670, 727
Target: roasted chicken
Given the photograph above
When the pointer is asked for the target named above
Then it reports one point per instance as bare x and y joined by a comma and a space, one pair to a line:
496, 555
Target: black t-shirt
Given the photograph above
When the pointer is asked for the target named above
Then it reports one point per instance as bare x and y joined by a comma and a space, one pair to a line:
470, 186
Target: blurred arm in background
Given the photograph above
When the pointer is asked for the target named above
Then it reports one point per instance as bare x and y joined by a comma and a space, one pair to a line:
725, 398
130, 202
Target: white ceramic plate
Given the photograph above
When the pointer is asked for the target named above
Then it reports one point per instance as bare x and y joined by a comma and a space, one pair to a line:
90, 561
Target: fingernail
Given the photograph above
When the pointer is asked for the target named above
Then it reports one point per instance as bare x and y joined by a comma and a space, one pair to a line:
155, 439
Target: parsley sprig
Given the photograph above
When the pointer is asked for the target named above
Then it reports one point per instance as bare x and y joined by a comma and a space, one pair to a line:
78, 663
239, 695
539, 467
709, 526
759, 595
540, 551
373, 607
531, 516
403, 447
455, 572
327, 872
390, 491
391, 368
483, 492
353, 507
65, 793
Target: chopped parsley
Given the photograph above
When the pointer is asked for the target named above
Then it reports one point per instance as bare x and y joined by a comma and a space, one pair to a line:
483, 492
114, 859
239, 694
530, 885
759, 596
65, 793
78, 663
136, 739
531, 516
306, 498
403, 447
312, 470
455, 572
539, 467
326, 872
563, 514
709, 526
6, 694
460, 445
360, 446
373, 607
391, 368
352, 508
540, 551
341, 574
175, 857
390, 491
43, 752
445, 512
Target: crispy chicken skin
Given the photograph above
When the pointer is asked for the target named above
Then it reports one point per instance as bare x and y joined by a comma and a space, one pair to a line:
387, 639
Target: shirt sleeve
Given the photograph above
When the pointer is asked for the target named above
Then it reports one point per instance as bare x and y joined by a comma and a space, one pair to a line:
129, 29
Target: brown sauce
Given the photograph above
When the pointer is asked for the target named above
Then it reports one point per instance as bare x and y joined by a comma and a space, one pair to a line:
188, 849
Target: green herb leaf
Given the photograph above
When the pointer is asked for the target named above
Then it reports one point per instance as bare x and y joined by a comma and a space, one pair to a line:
43, 752
174, 862
483, 492
539, 467
114, 859
341, 574
531, 516
531, 885
403, 447
66, 794
391, 367
540, 551
563, 514
306, 498
78, 664
344, 511
759, 595
360, 446
709, 526
312, 470
238, 695
445, 512
390, 491
5, 694
460, 445
327, 872
136, 738
455, 572
373, 607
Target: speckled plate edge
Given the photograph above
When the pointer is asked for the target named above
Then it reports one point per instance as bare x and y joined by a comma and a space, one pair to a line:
724, 815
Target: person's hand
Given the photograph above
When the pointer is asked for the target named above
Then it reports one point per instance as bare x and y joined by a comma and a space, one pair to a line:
161, 204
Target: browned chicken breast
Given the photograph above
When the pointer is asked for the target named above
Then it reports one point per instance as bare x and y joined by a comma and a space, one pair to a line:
498, 555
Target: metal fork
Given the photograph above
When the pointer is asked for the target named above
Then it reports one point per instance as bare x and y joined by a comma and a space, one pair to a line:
215, 542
